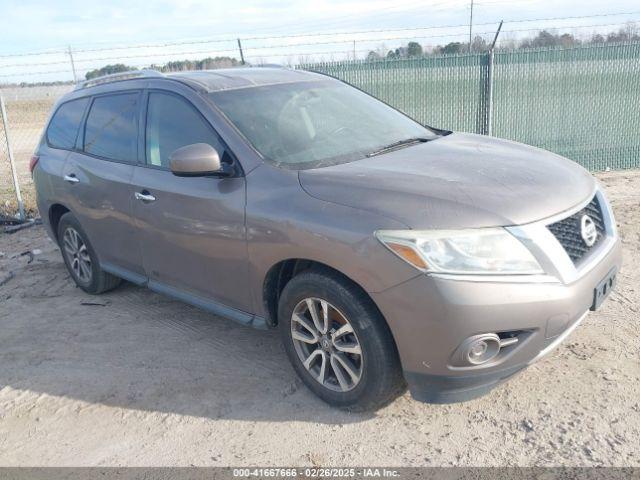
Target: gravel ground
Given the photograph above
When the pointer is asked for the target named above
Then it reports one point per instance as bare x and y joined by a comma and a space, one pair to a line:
133, 378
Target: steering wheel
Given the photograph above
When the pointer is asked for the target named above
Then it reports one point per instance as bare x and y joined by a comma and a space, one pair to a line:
336, 131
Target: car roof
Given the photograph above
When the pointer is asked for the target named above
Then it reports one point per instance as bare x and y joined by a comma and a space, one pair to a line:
203, 81
244, 77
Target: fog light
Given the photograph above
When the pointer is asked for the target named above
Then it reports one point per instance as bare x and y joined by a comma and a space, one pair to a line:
478, 349
481, 349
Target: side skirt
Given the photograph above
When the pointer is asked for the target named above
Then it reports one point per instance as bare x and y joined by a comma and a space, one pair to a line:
211, 306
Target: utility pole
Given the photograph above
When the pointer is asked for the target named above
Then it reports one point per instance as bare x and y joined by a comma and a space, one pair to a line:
73, 66
241, 54
354, 49
470, 25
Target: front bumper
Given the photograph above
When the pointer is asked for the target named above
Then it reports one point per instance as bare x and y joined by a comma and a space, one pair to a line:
431, 316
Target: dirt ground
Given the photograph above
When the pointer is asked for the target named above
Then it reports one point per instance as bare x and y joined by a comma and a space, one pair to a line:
134, 378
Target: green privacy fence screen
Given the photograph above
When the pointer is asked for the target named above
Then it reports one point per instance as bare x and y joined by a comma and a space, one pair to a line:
582, 103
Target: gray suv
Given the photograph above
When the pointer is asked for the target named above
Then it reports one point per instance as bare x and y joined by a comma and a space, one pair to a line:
386, 253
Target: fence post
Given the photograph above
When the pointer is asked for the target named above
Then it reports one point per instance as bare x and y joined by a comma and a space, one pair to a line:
489, 95
488, 117
16, 185
241, 53
73, 65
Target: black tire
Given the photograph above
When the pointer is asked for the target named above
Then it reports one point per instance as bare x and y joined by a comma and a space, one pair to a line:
99, 281
381, 379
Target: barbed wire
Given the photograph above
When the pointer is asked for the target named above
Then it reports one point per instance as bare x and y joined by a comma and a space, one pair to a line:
4, 75
294, 45
249, 50
353, 32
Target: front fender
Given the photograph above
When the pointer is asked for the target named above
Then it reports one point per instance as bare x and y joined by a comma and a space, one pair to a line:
284, 222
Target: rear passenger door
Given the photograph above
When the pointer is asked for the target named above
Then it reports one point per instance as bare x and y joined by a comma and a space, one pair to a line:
192, 232
98, 178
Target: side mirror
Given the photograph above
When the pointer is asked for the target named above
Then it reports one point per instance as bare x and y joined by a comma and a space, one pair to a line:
198, 160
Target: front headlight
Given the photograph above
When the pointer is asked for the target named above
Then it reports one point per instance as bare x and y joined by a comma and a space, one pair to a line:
477, 251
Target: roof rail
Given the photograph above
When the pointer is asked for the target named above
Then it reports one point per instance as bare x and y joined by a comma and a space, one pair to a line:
117, 77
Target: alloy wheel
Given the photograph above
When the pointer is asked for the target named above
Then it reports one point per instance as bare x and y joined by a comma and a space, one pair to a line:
77, 254
327, 344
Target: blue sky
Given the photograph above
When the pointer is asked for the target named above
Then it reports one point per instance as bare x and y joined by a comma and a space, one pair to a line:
35, 26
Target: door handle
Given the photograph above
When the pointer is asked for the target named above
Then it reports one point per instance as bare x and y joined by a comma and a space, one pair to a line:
144, 196
71, 178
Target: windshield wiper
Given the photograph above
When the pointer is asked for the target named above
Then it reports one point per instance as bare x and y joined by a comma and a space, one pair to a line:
399, 144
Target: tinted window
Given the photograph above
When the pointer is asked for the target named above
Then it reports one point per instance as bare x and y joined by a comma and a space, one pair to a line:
112, 127
64, 126
173, 123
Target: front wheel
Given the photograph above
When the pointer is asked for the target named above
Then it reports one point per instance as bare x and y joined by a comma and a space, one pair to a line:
338, 342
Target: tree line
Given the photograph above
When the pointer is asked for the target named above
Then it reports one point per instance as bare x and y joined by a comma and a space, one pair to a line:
628, 33
175, 66
544, 38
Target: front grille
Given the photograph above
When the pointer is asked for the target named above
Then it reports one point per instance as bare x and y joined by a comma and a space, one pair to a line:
568, 231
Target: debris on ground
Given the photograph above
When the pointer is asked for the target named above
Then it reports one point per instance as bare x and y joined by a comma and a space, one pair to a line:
6, 277
9, 220
28, 253
13, 228
95, 304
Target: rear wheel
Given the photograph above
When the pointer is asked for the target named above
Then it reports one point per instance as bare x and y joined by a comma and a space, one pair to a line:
81, 259
338, 342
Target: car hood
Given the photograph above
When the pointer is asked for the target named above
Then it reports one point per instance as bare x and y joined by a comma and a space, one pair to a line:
457, 181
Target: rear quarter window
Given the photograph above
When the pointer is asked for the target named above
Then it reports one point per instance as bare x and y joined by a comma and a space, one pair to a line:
65, 124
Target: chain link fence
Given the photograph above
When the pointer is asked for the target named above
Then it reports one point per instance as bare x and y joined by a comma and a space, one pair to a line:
582, 103
27, 110
446, 91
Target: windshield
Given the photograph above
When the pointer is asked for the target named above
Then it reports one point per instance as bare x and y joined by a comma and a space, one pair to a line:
313, 124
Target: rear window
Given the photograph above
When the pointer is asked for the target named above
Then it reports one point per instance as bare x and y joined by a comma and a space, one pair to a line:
112, 127
64, 126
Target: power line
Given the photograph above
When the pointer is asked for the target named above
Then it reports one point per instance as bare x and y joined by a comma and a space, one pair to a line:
295, 45
229, 39
33, 73
346, 20
345, 51
356, 32
32, 54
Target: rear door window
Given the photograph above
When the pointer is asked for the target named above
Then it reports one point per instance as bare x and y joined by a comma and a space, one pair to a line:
65, 124
173, 123
112, 127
